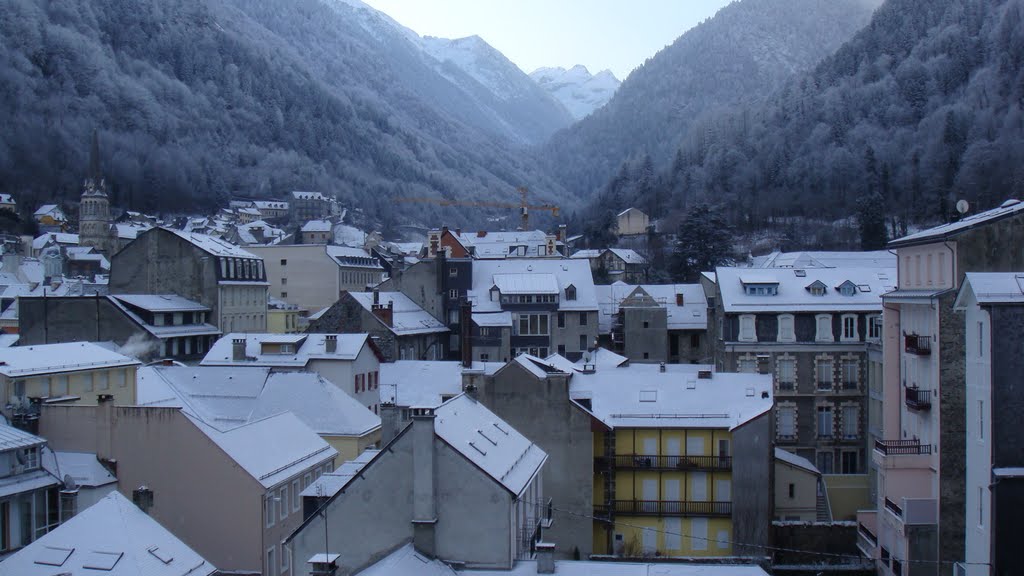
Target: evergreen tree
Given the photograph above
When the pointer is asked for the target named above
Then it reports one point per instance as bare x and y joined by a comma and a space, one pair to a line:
871, 221
704, 242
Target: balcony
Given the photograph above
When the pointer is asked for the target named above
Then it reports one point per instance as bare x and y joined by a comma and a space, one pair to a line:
902, 447
918, 398
866, 541
894, 508
666, 508
663, 463
917, 344
914, 511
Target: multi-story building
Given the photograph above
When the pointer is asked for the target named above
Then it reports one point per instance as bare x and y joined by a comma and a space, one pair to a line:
616, 265
30, 501
314, 277
656, 322
495, 245
306, 206
993, 306
228, 280
918, 524
350, 361
810, 328
228, 488
270, 209
282, 317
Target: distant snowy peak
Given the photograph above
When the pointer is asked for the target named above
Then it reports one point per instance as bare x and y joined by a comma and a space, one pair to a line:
481, 61
576, 88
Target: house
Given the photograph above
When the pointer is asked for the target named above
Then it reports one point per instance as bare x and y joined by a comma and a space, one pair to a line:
30, 497
228, 488
8, 203
408, 384
494, 245
228, 280
993, 307
282, 317
399, 327
247, 394
73, 372
350, 361
920, 515
458, 483
114, 538
306, 206
256, 233
631, 222
50, 218
317, 232
247, 215
47, 239
616, 264
270, 209
812, 329
656, 322
313, 277
798, 489
146, 326
85, 480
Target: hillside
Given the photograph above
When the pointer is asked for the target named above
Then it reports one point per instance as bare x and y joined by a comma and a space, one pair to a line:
197, 99
737, 57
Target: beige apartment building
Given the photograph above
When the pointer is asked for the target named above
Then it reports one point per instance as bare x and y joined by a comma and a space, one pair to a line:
313, 276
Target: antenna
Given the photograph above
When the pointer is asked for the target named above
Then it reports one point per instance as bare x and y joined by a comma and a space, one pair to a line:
962, 206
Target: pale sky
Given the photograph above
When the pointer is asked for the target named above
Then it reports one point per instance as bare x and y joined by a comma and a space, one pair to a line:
600, 34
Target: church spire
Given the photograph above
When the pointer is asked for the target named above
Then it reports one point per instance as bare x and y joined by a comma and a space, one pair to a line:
94, 158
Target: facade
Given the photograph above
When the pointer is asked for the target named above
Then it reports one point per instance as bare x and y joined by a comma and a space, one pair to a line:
457, 483
282, 317
350, 361
246, 500
317, 232
306, 206
399, 327
30, 499
147, 326
74, 372
798, 489
920, 516
314, 277
656, 322
270, 209
221, 276
616, 265
631, 222
810, 329
495, 245
94, 221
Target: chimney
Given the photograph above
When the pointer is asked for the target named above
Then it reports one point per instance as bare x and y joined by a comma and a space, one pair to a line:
238, 349
388, 422
679, 299
661, 367
331, 343
481, 233
458, 231
386, 314
424, 472
323, 564
563, 233
466, 332
143, 498
545, 558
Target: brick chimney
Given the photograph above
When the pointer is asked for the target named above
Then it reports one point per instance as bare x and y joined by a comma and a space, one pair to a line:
386, 314
238, 349
424, 505
331, 343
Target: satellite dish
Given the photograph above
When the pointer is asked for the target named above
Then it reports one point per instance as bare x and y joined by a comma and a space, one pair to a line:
962, 206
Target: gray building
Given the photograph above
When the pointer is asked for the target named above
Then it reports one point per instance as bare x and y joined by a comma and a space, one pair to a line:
656, 322
306, 206
228, 280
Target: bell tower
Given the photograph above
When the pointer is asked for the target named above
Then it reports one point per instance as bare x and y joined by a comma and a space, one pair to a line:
94, 210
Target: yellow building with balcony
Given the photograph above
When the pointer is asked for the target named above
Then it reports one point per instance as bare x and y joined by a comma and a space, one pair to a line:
679, 454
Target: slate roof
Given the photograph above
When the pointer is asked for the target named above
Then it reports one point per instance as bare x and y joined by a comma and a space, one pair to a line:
691, 315
21, 361
794, 460
1011, 207
793, 294
407, 316
988, 288
424, 383
213, 245
563, 271
310, 347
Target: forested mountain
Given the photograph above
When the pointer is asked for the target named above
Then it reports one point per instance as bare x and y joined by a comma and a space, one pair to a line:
576, 88
920, 109
737, 57
195, 99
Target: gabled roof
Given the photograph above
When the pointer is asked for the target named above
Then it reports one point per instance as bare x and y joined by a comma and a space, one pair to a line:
794, 460
500, 245
311, 347
691, 315
12, 438
50, 210
793, 293
301, 195
1008, 209
425, 383
564, 272
83, 467
317, 226
988, 288
489, 442
407, 318
213, 245
628, 256
22, 361
57, 237
112, 537
539, 283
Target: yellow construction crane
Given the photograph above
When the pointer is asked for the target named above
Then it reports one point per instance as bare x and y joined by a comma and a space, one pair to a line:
524, 207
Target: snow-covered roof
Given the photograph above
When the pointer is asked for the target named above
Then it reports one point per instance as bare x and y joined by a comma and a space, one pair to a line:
213, 245
12, 438
83, 467
22, 361
348, 235
600, 358
628, 256
26, 482
301, 195
425, 383
8, 340
599, 568
587, 254
564, 271
272, 449
876, 258
794, 460
331, 483
131, 230
161, 302
352, 256
992, 288
489, 442
529, 283
793, 294
493, 319
407, 316
642, 396
540, 367
317, 226
270, 205
498, 245
309, 347
6, 199
691, 315
112, 537
50, 210
1011, 207
236, 395
268, 235
42, 240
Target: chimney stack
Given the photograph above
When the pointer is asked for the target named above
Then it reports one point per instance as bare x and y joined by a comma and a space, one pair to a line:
331, 343
545, 558
386, 314
388, 421
466, 332
323, 564
143, 498
563, 232
238, 349
424, 505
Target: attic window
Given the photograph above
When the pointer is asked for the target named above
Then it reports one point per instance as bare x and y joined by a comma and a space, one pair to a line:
52, 555
800, 273
161, 555
648, 395
502, 430
817, 288
477, 448
847, 288
570, 292
481, 432
760, 289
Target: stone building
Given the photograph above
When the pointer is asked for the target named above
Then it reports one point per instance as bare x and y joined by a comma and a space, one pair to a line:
94, 221
306, 206
228, 280
656, 322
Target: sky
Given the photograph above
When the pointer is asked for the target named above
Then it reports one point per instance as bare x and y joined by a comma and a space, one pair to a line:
600, 34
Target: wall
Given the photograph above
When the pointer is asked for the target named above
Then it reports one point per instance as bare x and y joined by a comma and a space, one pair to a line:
752, 508
342, 374
953, 434
87, 385
803, 506
847, 493
52, 320
349, 447
834, 538
646, 334
570, 335
311, 276
979, 416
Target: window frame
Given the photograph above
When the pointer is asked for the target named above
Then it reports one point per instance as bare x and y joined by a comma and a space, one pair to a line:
786, 336
849, 328
819, 335
820, 410
747, 321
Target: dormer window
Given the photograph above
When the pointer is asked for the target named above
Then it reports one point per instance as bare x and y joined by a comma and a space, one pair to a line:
761, 289
817, 288
847, 288
495, 294
570, 292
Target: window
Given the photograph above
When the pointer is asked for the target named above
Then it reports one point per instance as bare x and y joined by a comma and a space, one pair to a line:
284, 294
824, 422
981, 339
747, 365
848, 462
561, 349
786, 331
284, 261
787, 421
874, 328
747, 333
583, 342
849, 327
826, 462
848, 289
284, 281
851, 373
31, 458
453, 271
268, 509
286, 558
583, 318
570, 292
533, 325
561, 319
850, 422
760, 289
296, 500
271, 561
694, 340
816, 289
287, 348
792, 490
453, 316
59, 385
647, 324
699, 533
282, 503
786, 373
453, 293
824, 374
823, 322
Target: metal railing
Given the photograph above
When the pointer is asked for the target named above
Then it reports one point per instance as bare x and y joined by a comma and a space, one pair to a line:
646, 462
918, 398
668, 508
917, 344
894, 507
902, 447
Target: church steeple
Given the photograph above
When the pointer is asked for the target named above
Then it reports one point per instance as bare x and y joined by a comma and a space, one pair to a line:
94, 221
